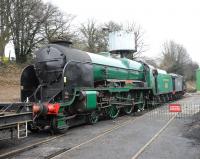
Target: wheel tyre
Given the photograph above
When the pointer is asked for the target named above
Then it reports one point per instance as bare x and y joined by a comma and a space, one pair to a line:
32, 128
59, 131
135, 109
93, 118
56, 130
154, 102
128, 110
138, 109
141, 106
113, 112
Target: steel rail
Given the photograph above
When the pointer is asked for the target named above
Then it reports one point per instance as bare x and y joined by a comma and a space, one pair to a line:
143, 148
35, 145
64, 151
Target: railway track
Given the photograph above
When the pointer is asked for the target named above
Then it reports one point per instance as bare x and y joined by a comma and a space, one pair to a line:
48, 139
57, 154
66, 150
29, 147
143, 148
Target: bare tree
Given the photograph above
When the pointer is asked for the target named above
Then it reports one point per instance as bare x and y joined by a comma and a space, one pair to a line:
176, 59
150, 61
189, 71
5, 31
95, 36
32, 23
57, 25
112, 26
26, 18
90, 35
140, 45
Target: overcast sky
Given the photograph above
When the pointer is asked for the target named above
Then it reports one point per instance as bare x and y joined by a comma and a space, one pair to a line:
162, 20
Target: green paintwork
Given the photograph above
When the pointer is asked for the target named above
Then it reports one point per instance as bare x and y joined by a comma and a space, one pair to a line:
198, 79
91, 100
60, 118
61, 122
151, 80
93, 117
128, 109
106, 67
140, 103
164, 83
112, 112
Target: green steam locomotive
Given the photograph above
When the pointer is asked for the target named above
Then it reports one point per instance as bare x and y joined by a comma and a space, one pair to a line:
68, 85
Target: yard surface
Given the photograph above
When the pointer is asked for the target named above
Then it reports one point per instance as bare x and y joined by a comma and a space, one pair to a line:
157, 134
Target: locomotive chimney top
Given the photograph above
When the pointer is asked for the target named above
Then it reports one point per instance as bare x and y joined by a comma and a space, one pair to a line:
62, 42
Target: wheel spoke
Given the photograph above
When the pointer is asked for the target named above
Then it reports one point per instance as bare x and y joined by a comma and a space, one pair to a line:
113, 112
93, 117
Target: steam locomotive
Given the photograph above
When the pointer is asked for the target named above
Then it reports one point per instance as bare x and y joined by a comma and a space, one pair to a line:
67, 84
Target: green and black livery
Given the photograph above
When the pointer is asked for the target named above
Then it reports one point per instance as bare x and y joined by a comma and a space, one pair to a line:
68, 84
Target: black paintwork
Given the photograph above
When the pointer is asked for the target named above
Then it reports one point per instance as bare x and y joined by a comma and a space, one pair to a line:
52, 63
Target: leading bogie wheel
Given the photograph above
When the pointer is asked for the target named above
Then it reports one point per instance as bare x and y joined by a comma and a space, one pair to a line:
93, 117
32, 128
58, 130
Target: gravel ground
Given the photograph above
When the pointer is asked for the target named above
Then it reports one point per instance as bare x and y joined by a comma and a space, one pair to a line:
174, 144
192, 130
75, 134
10, 145
179, 140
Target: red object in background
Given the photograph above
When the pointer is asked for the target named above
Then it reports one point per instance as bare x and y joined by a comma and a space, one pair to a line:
175, 108
53, 108
36, 108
